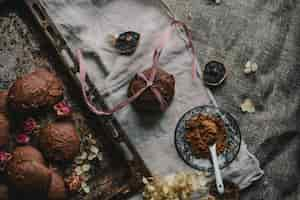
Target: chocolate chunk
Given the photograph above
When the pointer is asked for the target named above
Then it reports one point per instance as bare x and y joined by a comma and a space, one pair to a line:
4, 129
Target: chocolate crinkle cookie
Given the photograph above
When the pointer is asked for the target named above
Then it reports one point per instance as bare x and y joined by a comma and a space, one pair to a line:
38, 89
3, 101
59, 141
27, 173
148, 101
57, 190
4, 129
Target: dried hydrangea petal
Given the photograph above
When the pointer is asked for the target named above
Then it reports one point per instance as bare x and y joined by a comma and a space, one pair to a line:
248, 106
254, 67
85, 187
85, 167
78, 170
92, 156
250, 67
93, 141
83, 156
94, 149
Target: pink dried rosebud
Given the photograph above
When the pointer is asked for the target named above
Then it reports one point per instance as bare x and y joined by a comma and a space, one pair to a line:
29, 125
23, 138
62, 109
4, 158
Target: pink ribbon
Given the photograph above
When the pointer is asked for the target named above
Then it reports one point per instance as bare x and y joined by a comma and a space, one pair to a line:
149, 82
166, 36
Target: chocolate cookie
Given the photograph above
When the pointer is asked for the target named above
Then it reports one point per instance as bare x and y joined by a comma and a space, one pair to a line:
57, 190
59, 141
27, 173
4, 129
38, 89
3, 101
27, 153
147, 101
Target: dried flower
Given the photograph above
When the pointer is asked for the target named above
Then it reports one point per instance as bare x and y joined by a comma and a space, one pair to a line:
29, 125
250, 67
4, 158
85, 167
92, 156
175, 187
23, 138
63, 109
94, 149
85, 187
248, 106
73, 183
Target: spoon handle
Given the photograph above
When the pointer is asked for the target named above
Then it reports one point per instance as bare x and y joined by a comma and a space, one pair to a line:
219, 180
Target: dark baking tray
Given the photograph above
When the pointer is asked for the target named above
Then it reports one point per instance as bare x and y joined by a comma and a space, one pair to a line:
29, 39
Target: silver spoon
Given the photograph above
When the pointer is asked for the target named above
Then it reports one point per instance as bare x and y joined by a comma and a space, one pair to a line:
214, 157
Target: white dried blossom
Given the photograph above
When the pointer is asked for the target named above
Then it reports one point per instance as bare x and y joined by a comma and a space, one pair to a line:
78, 170
85, 167
248, 106
94, 149
250, 67
179, 186
85, 187
92, 157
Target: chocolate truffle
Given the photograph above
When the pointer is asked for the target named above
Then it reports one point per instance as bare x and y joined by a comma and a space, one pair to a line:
59, 141
57, 190
147, 101
38, 89
3, 101
4, 129
26, 171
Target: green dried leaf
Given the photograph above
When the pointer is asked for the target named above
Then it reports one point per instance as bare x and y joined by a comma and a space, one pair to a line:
78, 171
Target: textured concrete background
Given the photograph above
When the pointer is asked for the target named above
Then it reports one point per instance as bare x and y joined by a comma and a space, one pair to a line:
268, 33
